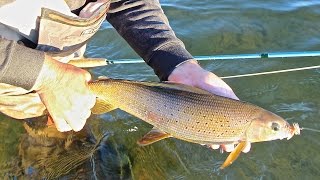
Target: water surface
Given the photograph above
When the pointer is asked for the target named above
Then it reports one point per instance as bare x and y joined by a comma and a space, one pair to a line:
207, 28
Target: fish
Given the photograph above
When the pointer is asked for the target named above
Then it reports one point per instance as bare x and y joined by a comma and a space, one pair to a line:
190, 114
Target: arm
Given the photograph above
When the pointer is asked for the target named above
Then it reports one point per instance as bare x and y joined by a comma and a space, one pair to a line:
145, 27
63, 88
19, 65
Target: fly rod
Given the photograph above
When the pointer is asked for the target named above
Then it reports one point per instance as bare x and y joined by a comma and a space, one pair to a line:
102, 61
233, 57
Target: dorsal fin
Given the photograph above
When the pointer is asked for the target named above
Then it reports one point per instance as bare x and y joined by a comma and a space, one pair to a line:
175, 86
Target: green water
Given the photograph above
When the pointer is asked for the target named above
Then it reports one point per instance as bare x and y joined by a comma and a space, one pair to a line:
207, 28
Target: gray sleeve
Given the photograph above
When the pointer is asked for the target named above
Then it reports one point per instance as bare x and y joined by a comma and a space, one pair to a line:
143, 24
19, 65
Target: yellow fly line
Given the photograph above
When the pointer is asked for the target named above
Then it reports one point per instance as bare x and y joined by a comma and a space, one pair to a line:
271, 72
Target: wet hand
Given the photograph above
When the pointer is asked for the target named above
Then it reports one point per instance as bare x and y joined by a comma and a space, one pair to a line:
64, 91
191, 73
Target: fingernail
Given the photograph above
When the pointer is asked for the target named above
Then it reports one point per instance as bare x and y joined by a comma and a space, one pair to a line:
88, 76
247, 148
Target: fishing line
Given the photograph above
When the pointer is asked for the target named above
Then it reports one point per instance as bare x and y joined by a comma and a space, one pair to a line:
310, 129
271, 72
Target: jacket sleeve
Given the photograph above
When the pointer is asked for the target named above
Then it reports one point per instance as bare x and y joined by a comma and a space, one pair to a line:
19, 65
143, 24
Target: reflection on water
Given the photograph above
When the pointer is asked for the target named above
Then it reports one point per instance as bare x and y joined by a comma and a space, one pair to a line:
44, 152
107, 149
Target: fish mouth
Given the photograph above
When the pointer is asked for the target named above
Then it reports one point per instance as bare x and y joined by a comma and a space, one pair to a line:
293, 129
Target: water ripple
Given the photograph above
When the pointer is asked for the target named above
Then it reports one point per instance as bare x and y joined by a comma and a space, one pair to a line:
295, 107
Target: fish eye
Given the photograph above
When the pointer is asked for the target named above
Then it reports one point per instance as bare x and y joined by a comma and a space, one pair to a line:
275, 126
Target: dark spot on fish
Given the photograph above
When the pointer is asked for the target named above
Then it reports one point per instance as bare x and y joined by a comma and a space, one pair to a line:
198, 122
198, 130
206, 123
176, 121
192, 127
204, 116
186, 127
171, 114
221, 125
204, 131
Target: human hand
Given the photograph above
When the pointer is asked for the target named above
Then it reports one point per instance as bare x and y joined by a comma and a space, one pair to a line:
191, 73
64, 91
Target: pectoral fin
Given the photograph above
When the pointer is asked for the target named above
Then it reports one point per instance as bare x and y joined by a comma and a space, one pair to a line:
153, 136
234, 154
102, 106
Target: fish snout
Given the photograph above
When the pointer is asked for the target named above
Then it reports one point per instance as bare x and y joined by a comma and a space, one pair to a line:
267, 126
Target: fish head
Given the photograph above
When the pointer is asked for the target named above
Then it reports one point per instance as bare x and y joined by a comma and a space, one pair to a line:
268, 126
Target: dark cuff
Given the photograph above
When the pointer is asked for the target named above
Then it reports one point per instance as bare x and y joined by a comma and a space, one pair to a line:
21, 65
165, 59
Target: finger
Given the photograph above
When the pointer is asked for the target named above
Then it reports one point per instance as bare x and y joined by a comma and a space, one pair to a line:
90, 101
61, 124
77, 119
232, 95
247, 148
80, 111
102, 77
214, 146
228, 147
87, 76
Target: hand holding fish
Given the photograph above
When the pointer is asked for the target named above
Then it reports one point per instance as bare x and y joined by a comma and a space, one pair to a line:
191, 73
64, 91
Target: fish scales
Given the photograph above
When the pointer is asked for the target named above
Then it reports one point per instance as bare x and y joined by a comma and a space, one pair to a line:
190, 116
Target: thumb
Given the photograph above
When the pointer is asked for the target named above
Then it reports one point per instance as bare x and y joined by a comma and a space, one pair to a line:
87, 76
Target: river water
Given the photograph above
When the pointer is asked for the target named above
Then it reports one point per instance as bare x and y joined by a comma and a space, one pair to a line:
207, 28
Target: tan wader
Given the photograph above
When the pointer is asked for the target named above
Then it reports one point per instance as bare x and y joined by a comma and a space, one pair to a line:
64, 38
